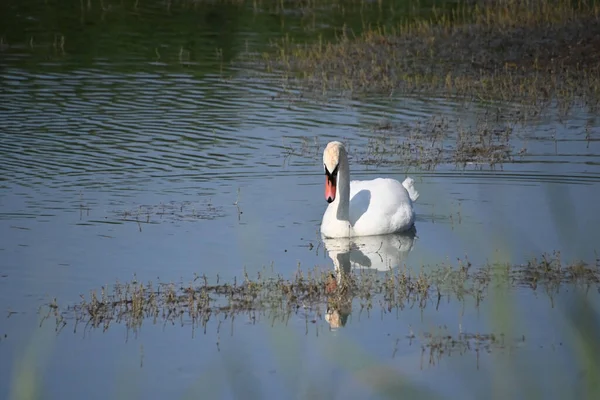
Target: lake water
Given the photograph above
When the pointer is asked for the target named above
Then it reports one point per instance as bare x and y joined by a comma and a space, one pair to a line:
134, 149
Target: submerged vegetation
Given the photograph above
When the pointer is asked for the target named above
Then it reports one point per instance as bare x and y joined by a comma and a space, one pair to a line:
531, 52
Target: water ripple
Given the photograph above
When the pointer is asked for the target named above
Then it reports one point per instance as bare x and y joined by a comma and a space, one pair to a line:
93, 128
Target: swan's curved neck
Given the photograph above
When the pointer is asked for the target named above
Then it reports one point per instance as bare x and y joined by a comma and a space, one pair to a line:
342, 195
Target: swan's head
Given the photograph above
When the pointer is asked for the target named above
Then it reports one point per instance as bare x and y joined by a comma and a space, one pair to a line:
332, 156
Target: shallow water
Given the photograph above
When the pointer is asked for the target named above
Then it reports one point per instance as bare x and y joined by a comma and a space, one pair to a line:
120, 163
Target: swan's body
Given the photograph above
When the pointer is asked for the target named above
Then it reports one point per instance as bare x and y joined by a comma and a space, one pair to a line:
363, 208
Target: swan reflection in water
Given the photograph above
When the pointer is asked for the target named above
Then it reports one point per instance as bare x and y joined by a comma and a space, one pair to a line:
371, 253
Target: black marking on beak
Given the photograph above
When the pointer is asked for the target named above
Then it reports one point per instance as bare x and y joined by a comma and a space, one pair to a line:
332, 178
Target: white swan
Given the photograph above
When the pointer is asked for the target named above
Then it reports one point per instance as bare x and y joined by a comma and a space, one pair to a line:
363, 208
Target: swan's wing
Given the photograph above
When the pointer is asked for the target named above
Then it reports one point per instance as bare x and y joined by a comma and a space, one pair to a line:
379, 206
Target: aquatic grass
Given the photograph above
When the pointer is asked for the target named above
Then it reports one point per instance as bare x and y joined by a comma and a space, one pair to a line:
529, 52
28, 373
309, 291
584, 324
428, 143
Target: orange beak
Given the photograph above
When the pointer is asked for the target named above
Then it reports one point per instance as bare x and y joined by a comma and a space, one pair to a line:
329, 190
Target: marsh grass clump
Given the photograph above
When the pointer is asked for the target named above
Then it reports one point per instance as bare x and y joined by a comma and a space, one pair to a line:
523, 51
428, 143
485, 144
308, 293
550, 271
440, 140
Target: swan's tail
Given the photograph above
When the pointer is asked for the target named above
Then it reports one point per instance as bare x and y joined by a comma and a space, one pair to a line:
410, 188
